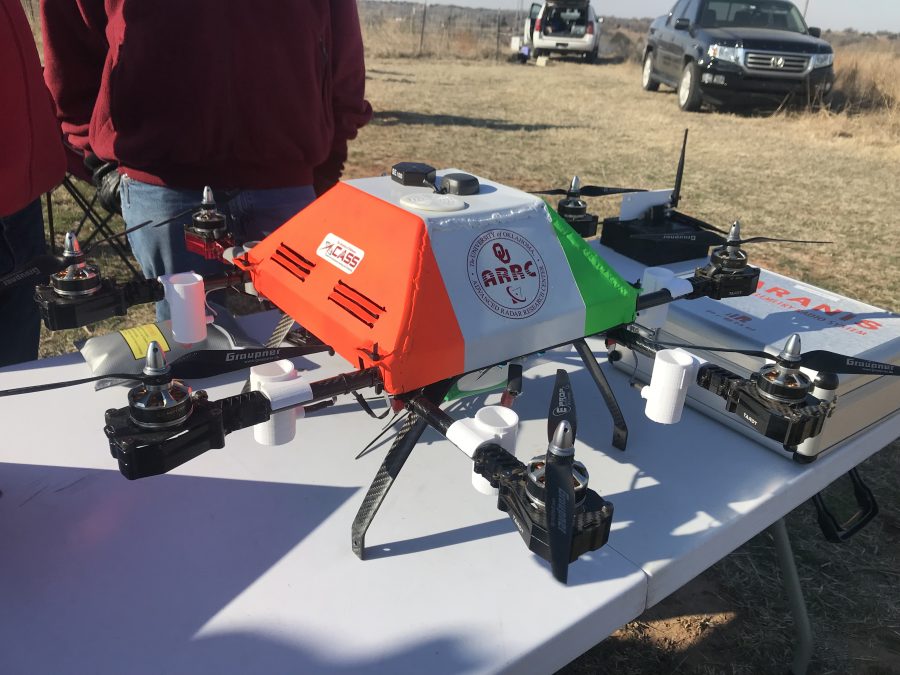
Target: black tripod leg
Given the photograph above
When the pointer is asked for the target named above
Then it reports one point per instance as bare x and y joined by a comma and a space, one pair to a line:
620, 428
412, 430
410, 433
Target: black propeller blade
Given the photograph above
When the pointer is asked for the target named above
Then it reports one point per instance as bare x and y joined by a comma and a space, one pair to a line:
819, 360
590, 191
559, 486
33, 272
193, 366
840, 364
713, 239
562, 405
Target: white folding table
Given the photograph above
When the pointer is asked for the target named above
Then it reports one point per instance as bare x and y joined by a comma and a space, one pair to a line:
240, 560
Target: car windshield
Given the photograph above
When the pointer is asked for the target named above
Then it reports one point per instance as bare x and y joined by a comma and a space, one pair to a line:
774, 14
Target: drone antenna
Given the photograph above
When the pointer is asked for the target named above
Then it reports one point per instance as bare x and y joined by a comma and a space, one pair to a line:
676, 193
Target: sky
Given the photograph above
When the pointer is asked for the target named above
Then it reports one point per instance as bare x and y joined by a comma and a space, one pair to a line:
863, 15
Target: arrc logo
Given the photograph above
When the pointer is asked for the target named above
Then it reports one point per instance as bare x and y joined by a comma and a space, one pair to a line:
342, 254
507, 274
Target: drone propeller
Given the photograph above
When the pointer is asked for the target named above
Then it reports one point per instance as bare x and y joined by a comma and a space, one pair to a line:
33, 271
820, 360
577, 190
710, 238
559, 486
38, 269
196, 365
562, 405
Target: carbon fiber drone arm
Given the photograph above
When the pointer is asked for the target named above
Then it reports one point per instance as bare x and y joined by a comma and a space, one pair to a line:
111, 299
143, 452
787, 423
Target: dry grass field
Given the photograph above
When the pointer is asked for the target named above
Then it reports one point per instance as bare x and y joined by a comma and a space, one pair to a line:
832, 174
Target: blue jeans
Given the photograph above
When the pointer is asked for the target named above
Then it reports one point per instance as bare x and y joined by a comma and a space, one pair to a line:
21, 239
251, 214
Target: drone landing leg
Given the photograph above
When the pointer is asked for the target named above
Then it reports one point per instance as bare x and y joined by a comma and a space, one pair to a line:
410, 433
620, 428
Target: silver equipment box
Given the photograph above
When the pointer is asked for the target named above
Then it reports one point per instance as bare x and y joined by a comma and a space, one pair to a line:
764, 321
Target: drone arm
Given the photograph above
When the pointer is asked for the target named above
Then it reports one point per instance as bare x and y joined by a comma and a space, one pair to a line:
145, 452
788, 423
111, 299
673, 288
61, 312
465, 434
225, 280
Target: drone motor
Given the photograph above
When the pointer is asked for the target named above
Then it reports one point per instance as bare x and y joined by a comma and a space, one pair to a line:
207, 234
730, 257
783, 381
535, 486
160, 402
79, 278
573, 209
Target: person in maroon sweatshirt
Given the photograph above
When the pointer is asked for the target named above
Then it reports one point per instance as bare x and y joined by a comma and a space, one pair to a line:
256, 99
32, 162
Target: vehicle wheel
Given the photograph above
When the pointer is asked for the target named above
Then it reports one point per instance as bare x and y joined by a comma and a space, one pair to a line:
647, 81
689, 88
591, 56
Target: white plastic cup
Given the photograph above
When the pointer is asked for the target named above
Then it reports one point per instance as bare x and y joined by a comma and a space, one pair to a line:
502, 424
654, 279
186, 296
673, 372
281, 426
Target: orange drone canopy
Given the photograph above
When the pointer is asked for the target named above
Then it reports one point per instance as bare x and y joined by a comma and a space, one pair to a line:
427, 286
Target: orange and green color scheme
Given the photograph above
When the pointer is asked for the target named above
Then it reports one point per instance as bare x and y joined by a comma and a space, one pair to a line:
435, 290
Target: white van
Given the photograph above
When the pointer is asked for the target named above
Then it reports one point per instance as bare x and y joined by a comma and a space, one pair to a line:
562, 27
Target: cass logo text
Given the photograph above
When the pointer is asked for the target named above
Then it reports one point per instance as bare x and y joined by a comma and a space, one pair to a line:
342, 254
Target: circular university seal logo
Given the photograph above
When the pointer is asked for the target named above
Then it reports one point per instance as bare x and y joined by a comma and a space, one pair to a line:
507, 274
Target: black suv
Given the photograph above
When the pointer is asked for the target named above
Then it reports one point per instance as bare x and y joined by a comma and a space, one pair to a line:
726, 52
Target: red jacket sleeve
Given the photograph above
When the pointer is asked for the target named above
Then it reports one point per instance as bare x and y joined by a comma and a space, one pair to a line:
75, 49
350, 109
31, 152
348, 67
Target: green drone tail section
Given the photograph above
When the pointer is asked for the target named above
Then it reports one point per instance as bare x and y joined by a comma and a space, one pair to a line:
609, 300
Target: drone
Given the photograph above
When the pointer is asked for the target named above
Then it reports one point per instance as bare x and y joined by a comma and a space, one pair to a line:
421, 281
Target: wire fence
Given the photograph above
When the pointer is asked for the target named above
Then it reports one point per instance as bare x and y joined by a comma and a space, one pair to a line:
403, 29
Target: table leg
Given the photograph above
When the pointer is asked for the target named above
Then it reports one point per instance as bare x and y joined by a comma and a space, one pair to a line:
803, 645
